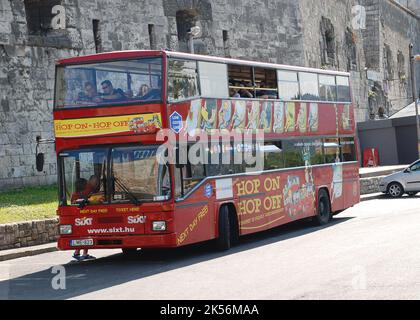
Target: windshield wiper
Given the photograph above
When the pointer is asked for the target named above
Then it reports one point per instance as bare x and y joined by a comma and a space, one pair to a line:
127, 191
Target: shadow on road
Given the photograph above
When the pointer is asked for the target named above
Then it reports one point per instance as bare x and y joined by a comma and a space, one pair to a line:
116, 269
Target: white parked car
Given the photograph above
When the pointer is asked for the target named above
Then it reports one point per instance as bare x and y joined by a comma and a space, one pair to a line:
406, 181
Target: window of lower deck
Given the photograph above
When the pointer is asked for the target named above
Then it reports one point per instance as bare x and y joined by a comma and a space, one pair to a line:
332, 150
348, 149
188, 175
293, 153
273, 155
313, 152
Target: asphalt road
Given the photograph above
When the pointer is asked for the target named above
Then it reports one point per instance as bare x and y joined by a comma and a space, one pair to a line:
367, 252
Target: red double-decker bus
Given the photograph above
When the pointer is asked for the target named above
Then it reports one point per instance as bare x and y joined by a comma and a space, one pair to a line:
116, 192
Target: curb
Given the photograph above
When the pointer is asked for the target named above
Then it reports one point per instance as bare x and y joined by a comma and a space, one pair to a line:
372, 196
27, 251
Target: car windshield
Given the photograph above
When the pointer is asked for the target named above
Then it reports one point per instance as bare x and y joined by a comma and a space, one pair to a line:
116, 175
108, 83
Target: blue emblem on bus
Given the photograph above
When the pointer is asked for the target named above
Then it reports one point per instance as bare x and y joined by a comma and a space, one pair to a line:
208, 190
175, 122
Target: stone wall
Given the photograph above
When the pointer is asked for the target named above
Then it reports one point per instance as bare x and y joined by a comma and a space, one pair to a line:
369, 185
339, 13
24, 234
281, 31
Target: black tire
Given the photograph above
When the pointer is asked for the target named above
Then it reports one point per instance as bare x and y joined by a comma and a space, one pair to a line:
323, 215
129, 251
395, 190
412, 194
224, 241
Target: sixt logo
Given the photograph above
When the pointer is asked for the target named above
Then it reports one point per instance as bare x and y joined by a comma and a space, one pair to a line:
136, 219
83, 222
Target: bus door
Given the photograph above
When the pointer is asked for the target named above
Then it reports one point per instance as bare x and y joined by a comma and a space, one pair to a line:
194, 207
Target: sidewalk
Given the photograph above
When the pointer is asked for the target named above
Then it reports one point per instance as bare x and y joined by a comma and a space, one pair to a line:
371, 196
380, 171
27, 251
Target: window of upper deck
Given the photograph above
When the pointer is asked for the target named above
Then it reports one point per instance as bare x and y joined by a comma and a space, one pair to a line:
288, 83
252, 82
308, 86
343, 89
109, 83
213, 79
241, 81
327, 88
182, 80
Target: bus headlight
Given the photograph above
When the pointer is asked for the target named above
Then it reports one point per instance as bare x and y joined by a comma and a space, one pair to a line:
159, 225
66, 229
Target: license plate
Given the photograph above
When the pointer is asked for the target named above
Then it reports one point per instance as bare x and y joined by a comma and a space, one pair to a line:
81, 242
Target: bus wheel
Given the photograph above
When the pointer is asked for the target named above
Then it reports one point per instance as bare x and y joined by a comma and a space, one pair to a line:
223, 242
324, 209
129, 251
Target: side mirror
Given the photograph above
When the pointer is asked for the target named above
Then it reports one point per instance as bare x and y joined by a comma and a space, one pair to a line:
40, 162
408, 170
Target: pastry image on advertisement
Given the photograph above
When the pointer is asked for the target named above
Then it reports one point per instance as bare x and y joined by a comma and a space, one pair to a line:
290, 117
278, 126
253, 115
301, 119
239, 116
313, 117
193, 118
225, 115
266, 117
346, 117
209, 115
140, 125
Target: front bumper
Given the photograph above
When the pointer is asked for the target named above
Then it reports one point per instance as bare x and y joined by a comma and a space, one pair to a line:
383, 187
116, 242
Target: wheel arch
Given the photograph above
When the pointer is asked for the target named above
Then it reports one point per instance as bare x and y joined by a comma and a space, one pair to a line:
233, 217
396, 181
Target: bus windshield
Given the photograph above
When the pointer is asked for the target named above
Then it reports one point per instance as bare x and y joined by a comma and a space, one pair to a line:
116, 175
109, 83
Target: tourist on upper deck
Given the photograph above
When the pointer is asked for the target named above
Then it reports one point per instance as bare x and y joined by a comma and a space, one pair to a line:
110, 94
143, 91
90, 94
244, 92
